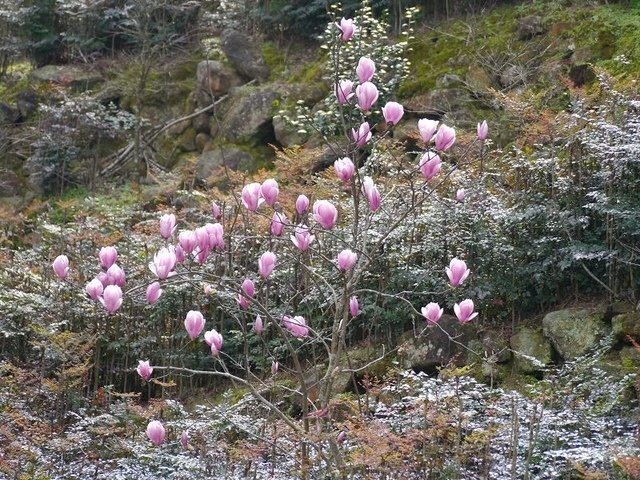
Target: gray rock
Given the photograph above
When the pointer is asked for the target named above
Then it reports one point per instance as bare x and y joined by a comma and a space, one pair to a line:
288, 135
8, 114
233, 158
532, 351
582, 75
574, 331
202, 139
249, 118
187, 140
214, 79
448, 80
529, 27
513, 76
496, 345
77, 78
452, 102
200, 123
626, 324
435, 348
244, 55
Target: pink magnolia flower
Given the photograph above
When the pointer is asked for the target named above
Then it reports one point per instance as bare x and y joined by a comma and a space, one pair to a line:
345, 169
344, 91
445, 138
116, 276
347, 29
483, 130
269, 191
432, 312
427, 129
156, 433
102, 276
107, 256
371, 192
243, 303
179, 253
212, 337
202, 239
111, 298
302, 204
460, 195
430, 164
346, 260
251, 196
194, 323
184, 440
365, 69
393, 112
153, 293
302, 238
342, 436
209, 290
187, 240
167, 225
367, 95
94, 289
274, 367
278, 221
61, 266
216, 211
464, 311
216, 235
325, 214
258, 326
354, 306
144, 369
297, 326
266, 264
457, 272
163, 263
249, 288
362, 135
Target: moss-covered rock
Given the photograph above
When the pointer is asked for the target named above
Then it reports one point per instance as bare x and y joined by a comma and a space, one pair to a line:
531, 350
626, 324
574, 331
77, 78
229, 156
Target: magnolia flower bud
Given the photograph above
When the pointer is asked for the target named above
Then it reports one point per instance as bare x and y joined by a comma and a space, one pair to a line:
61, 266
155, 432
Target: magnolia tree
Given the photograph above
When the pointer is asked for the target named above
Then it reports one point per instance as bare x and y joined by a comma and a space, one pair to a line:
305, 283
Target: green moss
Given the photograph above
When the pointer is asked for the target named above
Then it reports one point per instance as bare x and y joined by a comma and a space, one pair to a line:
274, 59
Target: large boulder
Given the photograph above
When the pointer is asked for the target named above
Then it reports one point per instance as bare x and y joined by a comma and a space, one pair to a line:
436, 348
77, 78
626, 324
287, 134
231, 157
531, 350
574, 331
215, 79
529, 27
452, 102
248, 120
244, 55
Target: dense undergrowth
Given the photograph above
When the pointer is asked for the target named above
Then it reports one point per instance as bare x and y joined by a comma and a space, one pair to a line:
551, 216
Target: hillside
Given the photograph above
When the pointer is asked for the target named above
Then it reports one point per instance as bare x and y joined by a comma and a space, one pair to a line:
270, 239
